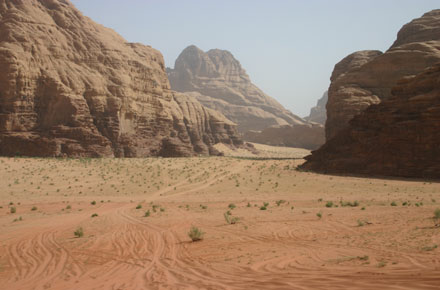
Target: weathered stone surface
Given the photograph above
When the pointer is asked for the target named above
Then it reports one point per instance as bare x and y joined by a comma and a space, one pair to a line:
71, 87
219, 82
398, 137
369, 81
318, 114
308, 136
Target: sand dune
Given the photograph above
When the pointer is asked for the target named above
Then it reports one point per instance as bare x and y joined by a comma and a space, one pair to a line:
286, 246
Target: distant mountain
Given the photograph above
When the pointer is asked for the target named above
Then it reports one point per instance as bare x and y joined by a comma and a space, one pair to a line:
218, 81
318, 114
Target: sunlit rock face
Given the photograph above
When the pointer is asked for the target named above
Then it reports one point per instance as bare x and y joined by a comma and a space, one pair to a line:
71, 87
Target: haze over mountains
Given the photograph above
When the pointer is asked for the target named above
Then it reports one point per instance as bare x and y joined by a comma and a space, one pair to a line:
219, 82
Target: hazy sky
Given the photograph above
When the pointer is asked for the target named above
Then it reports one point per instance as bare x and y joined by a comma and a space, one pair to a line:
288, 47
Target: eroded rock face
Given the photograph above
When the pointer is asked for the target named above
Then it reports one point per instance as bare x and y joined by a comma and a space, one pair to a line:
219, 82
71, 87
367, 77
318, 114
398, 137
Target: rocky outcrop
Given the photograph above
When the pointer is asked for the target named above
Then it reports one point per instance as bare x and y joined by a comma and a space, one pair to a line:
318, 114
219, 82
70, 87
398, 137
367, 77
308, 136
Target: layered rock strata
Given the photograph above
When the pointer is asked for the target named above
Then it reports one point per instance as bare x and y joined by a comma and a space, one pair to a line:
367, 77
71, 87
398, 137
219, 82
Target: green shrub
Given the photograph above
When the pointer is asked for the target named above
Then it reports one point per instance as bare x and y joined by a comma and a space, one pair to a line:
230, 219
232, 206
79, 232
319, 215
393, 203
147, 213
139, 206
280, 202
34, 208
93, 203
329, 204
94, 215
13, 209
195, 234
437, 217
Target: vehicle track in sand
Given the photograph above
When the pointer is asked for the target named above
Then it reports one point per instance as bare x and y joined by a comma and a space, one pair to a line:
275, 249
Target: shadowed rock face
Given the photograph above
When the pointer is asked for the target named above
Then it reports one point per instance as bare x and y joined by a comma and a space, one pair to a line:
71, 87
398, 137
318, 114
367, 77
219, 82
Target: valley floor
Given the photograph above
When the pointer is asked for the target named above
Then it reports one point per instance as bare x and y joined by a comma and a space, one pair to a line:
360, 241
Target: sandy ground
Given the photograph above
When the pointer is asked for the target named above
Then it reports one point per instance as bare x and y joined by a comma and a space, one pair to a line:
264, 151
373, 245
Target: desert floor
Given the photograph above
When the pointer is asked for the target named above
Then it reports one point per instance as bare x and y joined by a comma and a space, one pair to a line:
362, 242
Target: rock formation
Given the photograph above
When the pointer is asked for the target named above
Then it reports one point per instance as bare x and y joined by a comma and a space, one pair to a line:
367, 77
398, 137
318, 114
219, 82
70, 87
308, 136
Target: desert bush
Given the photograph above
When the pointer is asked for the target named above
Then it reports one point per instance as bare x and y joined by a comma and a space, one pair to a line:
94, 215
93, 203
79, 232
349, 203
437, 217
195, 234
34, 208
429, 248
319, 215
139, 206
13, 209
230, 219
329, 204
360, 223
232, 206
147, 213
280, 202
393, 203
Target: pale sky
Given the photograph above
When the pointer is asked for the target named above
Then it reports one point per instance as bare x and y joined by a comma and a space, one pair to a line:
288, 47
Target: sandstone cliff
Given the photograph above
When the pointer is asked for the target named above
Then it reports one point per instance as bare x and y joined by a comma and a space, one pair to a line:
398, 137
70, 87
366, 78
318, 114
219, 82
308, 136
